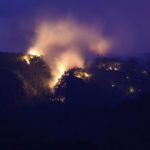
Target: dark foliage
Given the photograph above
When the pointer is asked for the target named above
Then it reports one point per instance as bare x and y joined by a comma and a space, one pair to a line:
94, 116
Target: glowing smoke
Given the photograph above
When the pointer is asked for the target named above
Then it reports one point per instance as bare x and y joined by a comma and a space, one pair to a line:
64, 44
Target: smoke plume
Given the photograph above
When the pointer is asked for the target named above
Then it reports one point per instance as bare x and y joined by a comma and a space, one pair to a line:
65, 44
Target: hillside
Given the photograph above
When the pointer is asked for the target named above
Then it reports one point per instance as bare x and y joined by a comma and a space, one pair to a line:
106, 81
103, 107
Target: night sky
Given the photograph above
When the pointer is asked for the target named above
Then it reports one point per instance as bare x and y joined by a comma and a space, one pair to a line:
127, 21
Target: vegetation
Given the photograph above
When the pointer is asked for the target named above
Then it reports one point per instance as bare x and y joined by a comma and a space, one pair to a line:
103, 107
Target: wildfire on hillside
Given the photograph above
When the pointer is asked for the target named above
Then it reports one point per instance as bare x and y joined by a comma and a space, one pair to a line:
131, 90
110, 67
120, 81
34, 53
65, 44
29, 56
82, 74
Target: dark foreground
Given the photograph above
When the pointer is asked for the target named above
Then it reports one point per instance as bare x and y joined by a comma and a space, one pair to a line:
108, 111
123, 127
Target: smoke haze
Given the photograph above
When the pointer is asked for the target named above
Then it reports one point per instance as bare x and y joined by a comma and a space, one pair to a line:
65, 44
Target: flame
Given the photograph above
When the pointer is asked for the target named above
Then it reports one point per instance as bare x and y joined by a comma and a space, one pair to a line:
110, 66
67, 61
27, 58
30, 55
83, 75
64, 44
132, 90
34, 53
57, 74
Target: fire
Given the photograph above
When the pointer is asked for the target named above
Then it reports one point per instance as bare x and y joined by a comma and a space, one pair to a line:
57, 76
67, 61
83, 75
27, 58
34, 53
30, 55
64, 44
110, 66
114, 67
132, 90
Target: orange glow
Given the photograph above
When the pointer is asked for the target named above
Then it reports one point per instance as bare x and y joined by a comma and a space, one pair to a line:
83, 75
30, 55
34, 53
67, 61
57, 74
27, 58
132, 90
110, 66
64, 44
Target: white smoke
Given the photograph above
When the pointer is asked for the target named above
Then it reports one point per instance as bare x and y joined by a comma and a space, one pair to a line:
65, 43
